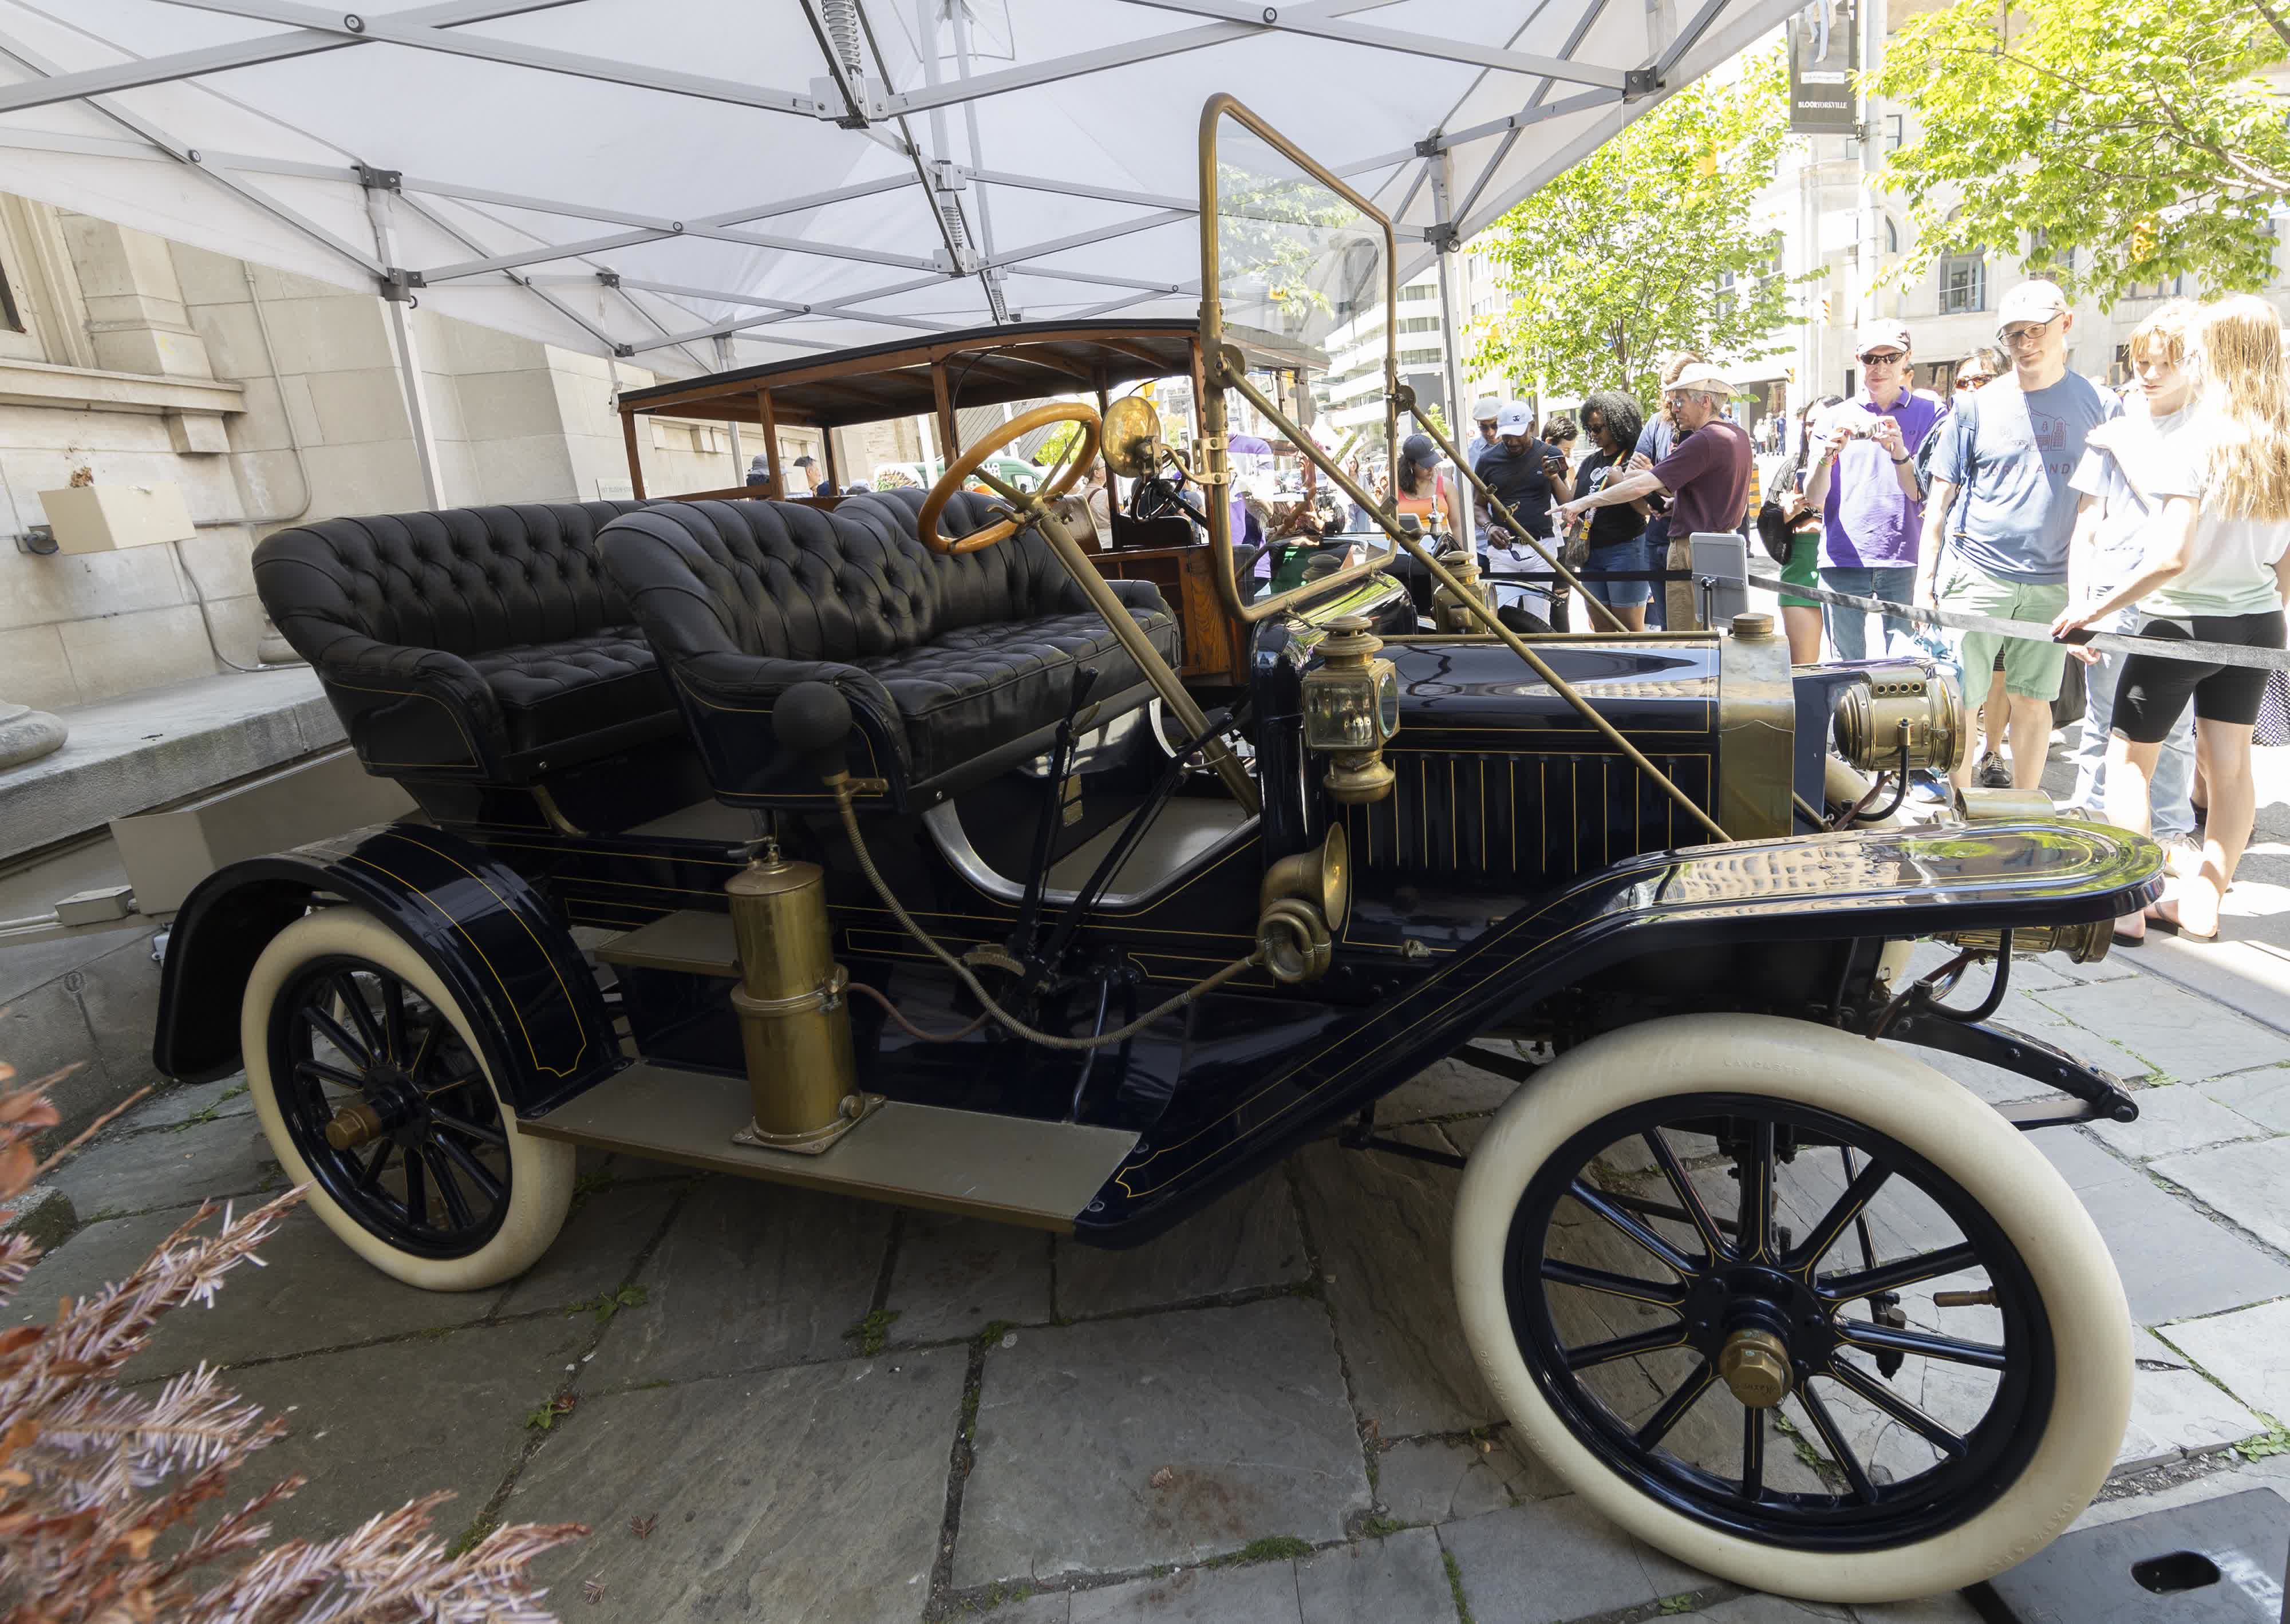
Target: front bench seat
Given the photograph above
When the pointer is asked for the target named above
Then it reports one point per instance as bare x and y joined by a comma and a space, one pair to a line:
955, 668
479, 644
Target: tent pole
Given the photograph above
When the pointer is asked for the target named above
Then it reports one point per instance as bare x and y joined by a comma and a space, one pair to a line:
397, 299
1442, 180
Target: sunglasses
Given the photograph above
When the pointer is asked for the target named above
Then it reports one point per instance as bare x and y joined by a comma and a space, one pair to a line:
1972, 380
1882, 357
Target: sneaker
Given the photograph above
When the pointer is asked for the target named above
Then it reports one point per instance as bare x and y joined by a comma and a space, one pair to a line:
1993, 773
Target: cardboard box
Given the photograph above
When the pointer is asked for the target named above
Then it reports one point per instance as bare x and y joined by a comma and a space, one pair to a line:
104, 518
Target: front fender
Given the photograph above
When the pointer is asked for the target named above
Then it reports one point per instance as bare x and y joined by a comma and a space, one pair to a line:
513, 968
1235, 1113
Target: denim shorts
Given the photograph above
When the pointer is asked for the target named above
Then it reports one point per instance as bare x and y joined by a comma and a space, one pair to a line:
1631, 554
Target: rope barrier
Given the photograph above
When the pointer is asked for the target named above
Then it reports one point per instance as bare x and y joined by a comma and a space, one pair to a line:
2037, 631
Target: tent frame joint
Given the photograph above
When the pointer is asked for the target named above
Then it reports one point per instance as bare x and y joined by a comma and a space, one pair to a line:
1639, 82
378, 180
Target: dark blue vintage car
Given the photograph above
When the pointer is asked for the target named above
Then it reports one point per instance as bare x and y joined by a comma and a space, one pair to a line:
876, 844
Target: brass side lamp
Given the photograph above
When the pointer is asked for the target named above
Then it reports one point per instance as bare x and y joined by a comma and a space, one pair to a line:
1351, 711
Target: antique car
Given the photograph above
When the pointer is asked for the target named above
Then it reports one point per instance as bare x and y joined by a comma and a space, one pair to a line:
828, 844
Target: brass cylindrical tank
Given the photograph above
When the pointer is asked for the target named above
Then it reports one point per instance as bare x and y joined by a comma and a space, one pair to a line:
795, 1023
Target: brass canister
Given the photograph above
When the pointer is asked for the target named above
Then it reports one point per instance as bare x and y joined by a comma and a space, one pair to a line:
795, 1023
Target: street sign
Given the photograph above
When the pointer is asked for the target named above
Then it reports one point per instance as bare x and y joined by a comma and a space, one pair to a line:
1824, 52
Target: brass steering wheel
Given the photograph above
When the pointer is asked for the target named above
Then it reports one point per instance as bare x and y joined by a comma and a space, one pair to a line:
1029, 502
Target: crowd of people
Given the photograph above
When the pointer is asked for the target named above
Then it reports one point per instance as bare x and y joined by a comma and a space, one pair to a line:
2031, 493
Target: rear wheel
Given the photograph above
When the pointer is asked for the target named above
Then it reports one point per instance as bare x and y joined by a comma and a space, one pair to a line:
346, 1027
1793, 1307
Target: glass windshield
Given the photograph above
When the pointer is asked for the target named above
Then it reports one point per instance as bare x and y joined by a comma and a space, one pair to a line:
1302, 277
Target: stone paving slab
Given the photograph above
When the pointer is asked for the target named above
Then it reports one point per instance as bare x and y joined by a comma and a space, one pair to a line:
1376, 1581
2249, 1350
815, 1493
748, 1275
596, 1250
209, 1101
444, 1411
1558, 1560
1262, 1594
2261, 1096
2178, 1034
2176, 1411
1452, 1087
1381, 1224
2249, 1183
1437, 1480
1162, 1439
2176, 1118
1240, 1242
953, 1276
2174, 1262
1767, 1610
172, 1167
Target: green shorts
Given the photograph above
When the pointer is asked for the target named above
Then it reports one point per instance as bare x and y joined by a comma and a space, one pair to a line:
1803, 568
2031, 670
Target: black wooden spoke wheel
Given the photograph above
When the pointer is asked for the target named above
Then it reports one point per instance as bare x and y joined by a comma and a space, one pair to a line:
372, 1088
1793, 1307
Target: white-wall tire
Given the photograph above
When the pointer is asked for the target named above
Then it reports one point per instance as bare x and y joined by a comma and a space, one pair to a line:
1930, 1115
541, 1171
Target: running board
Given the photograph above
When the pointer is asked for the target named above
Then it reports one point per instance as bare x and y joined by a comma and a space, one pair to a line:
689, 941
1013, 1170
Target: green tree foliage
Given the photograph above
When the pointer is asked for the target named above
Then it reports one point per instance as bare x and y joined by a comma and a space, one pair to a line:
1647, 247
2130, 131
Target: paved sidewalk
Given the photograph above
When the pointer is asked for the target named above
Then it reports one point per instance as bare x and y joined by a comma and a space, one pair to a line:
788, 1406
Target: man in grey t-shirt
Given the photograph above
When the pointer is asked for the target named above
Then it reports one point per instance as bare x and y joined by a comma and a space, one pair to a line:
2000, 513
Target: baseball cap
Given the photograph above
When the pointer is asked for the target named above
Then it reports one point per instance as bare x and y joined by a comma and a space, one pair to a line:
1487, 410
1886, 333
1702, 378
1514, 418
2031, 302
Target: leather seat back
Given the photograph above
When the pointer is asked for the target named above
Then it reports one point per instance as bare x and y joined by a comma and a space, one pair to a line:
468, 581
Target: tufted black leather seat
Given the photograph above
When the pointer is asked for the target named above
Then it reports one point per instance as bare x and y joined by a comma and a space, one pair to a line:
483, 643
955, 665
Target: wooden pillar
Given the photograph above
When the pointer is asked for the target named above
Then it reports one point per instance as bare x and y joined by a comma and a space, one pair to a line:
827, 444
949, 442
635, 463
770, 424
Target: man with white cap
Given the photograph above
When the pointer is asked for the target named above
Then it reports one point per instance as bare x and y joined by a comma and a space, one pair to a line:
1484, 412
1527, 474
1871, 517
2000, 514
1706, 473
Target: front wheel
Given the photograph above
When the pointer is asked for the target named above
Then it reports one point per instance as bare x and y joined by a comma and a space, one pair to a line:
345, 1026
1793, 1307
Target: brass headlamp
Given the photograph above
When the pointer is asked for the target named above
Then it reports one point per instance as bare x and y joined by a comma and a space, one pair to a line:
1900, 707
1351, 711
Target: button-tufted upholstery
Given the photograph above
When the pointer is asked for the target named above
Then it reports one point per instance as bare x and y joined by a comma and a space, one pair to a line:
479, 642
954, 666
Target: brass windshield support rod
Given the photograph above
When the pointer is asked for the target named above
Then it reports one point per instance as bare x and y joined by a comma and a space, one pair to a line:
1227, 371
1447, 450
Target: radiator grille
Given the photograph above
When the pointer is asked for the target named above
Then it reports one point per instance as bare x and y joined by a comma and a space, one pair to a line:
1540, 819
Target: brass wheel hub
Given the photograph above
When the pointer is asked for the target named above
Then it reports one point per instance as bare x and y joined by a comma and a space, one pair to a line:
1755, 1364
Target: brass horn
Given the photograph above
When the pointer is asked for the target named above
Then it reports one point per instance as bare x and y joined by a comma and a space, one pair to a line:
1300, 905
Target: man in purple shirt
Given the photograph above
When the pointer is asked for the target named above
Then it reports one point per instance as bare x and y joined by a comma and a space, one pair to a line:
1868, 496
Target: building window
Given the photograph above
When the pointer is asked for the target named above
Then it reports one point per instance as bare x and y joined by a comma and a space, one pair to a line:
1892, 235
1419, 290
1419, 357
2172, 289
1419, 324
1725, 295
1963, 284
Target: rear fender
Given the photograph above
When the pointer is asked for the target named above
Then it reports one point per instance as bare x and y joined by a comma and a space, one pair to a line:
515, 971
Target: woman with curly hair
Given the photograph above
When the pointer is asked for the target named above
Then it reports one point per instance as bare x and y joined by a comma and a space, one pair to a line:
1612, 422
2217, 570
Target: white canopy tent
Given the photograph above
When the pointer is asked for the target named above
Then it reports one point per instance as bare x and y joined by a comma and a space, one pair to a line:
646, 178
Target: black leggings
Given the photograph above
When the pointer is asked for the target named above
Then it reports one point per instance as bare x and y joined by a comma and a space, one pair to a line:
2151, 692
